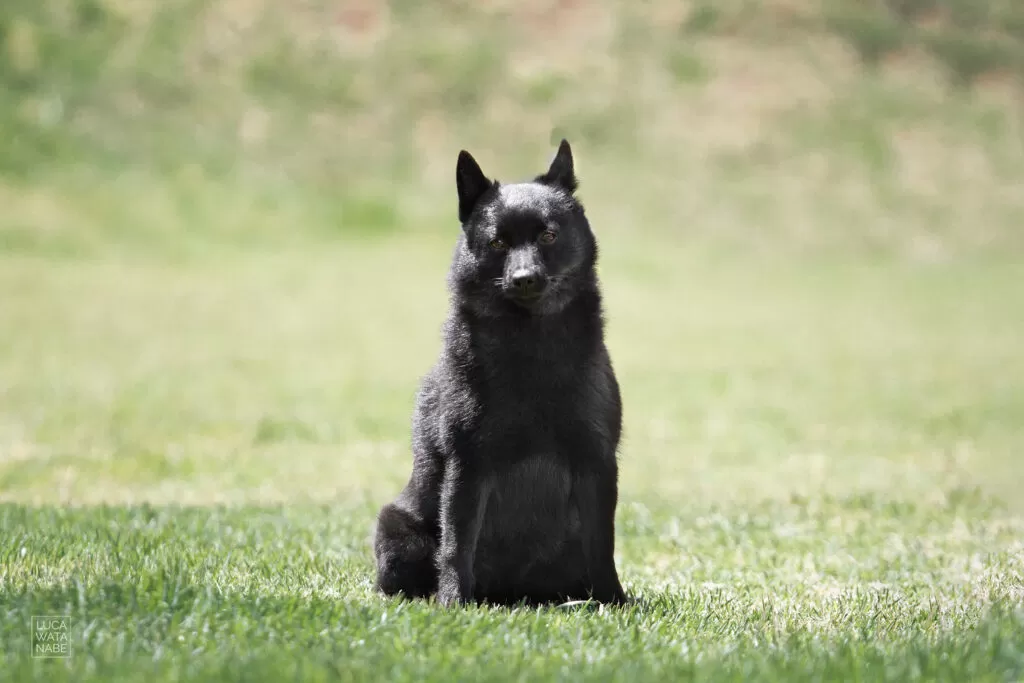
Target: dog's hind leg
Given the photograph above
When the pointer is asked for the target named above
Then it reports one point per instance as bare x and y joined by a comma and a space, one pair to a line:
405, 549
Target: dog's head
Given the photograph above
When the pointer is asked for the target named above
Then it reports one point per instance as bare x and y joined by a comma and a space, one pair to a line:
526, 247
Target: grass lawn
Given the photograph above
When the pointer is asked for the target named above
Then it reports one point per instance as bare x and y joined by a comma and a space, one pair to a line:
820, 473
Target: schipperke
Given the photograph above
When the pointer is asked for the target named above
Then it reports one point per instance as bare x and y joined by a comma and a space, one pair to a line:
515, 431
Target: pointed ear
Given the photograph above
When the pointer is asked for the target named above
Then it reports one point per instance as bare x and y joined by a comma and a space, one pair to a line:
561, 172
471, 184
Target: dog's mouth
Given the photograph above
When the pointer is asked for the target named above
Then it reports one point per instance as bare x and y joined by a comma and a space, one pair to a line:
532, 299
525, 300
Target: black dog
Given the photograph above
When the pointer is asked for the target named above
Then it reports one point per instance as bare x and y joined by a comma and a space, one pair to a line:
515, 481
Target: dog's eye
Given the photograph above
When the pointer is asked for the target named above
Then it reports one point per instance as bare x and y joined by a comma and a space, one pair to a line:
497, 245
547, 237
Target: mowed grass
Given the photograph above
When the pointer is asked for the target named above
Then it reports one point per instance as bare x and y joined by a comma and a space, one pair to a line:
851, 589
820, 473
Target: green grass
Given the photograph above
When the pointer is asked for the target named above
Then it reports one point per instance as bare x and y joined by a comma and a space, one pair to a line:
835, 590
820, 469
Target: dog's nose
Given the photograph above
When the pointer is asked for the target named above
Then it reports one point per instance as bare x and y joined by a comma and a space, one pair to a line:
527, 282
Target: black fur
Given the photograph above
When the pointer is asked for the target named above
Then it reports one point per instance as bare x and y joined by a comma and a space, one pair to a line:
515, 481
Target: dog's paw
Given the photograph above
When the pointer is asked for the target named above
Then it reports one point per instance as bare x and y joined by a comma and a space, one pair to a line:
449, 595
452, 590
611, 596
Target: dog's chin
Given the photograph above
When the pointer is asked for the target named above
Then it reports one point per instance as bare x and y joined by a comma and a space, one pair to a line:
532, 303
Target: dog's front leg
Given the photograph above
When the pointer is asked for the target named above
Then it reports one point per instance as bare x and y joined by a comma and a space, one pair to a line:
596, 495
464, 494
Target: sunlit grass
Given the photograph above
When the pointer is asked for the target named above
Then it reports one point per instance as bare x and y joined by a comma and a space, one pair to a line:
819, 472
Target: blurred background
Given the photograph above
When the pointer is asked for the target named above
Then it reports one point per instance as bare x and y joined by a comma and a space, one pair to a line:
225, 226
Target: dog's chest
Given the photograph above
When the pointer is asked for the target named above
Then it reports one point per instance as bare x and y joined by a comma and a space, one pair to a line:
530, 507
526, 407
